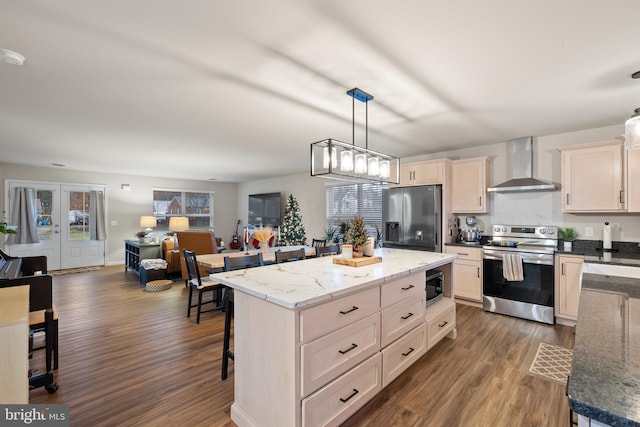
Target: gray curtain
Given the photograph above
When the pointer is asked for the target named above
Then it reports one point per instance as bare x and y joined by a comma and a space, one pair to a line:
97, 229
24, 216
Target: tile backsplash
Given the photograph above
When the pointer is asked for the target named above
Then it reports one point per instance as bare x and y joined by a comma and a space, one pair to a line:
525, 208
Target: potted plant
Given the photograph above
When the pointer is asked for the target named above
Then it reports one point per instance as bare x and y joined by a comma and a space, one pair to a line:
357, 236
568, 235
141, 235
6, 228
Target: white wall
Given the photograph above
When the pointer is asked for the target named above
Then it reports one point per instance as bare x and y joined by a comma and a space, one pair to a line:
542, 208
126, 207
310, 193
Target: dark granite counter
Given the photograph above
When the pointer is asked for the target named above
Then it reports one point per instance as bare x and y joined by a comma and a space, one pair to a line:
605, 373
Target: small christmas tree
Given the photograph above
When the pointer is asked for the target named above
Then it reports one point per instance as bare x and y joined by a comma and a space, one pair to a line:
292, 229
356, 234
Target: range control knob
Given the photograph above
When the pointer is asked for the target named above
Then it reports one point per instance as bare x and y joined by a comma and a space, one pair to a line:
497, 229
543, 231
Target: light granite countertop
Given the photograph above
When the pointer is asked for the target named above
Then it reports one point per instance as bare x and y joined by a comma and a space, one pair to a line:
605, 373
299, 284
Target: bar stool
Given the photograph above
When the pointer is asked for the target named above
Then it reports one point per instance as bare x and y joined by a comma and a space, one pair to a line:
233, 263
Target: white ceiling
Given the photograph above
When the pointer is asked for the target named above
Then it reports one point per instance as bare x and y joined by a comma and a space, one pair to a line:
237, 90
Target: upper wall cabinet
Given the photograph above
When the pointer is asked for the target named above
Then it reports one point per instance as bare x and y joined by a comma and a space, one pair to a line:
423, 173
593, 177
469, 179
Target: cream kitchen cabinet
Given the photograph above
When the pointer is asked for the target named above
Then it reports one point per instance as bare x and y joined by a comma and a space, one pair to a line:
568, 274
593, 177
423, 173
314, 340
467, 272
469, 179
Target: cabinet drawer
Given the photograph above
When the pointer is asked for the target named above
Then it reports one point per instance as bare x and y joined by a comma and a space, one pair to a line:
319, 320
405, 287
340, 399
402, 353
400, 318
440, 325
465, 253
330, 356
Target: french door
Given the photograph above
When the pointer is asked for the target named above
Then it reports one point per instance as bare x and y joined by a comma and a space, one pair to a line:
62, 221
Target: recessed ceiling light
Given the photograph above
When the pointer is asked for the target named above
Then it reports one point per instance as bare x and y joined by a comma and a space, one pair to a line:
58, 165
11, 57
636, 75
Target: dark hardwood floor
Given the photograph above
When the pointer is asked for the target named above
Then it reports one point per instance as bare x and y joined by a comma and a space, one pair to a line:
132, 358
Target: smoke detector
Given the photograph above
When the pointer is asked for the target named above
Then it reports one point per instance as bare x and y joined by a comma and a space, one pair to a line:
11, 57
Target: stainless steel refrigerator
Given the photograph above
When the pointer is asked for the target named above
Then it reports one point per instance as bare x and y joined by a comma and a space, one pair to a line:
411, 217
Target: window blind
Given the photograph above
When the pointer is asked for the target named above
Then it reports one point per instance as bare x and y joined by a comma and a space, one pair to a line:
346, 201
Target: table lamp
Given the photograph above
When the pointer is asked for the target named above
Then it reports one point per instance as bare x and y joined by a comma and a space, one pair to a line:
178, 223
148, 223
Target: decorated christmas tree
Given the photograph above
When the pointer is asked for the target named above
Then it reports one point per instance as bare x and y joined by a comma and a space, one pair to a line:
292, 229
356, 233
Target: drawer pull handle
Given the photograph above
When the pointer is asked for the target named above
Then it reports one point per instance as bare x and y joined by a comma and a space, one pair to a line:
443, 325
348, 350
408, 352
344, 400
407, 316
354, 308
407, 288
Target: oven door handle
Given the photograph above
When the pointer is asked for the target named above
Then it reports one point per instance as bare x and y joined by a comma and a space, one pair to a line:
526, 259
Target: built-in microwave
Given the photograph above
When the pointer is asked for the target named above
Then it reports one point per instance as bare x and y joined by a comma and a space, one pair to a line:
434, 285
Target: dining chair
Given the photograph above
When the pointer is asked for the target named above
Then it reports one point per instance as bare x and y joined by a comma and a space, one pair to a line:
295, 255
233, 263
200, 285
327, 250
318, 242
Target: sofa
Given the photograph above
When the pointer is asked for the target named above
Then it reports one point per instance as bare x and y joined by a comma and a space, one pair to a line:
199, 241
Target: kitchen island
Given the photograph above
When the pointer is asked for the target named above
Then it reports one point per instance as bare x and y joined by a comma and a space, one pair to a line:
604, 385
314, 340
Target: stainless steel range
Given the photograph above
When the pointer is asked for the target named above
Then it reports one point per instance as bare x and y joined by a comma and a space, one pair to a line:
527, 251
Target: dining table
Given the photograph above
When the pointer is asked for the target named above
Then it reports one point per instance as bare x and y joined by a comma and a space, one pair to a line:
213, 261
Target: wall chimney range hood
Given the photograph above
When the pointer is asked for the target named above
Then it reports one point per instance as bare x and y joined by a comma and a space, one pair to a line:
522, 166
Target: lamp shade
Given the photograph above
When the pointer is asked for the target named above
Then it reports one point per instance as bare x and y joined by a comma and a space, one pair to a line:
632, 131
178, 223
148, 222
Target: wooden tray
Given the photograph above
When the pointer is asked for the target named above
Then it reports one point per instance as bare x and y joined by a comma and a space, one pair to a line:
357, 262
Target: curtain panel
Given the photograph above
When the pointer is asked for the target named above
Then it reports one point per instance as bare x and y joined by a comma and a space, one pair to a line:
24, 216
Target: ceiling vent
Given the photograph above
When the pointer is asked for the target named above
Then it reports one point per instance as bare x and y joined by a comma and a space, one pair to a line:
522, 166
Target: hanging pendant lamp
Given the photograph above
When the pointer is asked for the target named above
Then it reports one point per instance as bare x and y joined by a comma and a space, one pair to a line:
335, 159
632, 126
632, 131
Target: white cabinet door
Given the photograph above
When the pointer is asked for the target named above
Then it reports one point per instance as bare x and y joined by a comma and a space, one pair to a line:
469, 179
593, 177
568, 280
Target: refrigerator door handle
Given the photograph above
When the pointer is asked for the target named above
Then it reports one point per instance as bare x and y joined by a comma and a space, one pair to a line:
435, 228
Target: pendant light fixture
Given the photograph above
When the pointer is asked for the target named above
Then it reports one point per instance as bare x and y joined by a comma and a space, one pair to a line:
632, 126
335, 159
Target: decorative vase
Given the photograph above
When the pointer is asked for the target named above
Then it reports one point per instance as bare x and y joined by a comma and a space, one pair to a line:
358, 252
568, 246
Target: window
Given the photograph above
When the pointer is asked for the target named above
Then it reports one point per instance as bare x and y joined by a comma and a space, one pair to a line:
79, 215
198, 207
346, 201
